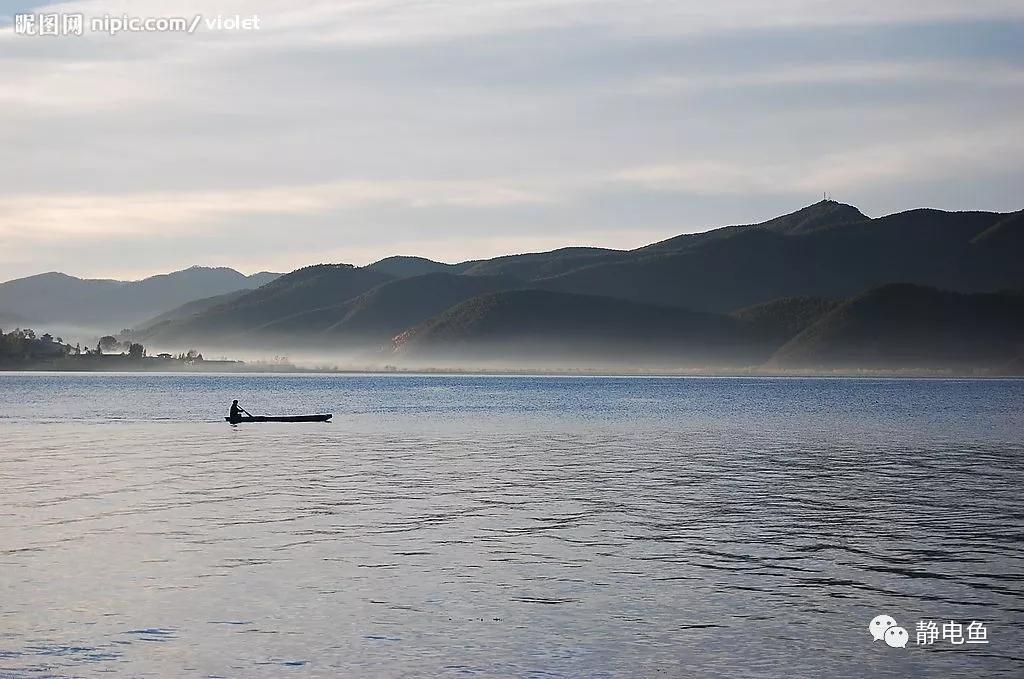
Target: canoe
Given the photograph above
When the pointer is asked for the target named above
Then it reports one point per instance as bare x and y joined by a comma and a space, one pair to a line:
285, 418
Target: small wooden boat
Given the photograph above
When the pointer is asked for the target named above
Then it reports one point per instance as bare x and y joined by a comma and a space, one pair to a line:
284, 418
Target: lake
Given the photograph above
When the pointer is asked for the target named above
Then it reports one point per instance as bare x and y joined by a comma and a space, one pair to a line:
451, 526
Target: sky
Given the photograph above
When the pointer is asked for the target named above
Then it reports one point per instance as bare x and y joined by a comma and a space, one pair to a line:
352, 130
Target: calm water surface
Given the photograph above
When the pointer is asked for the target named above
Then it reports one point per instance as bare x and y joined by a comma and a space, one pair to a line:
507, 526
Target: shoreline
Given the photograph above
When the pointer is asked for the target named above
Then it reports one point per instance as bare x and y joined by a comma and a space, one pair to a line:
269, 370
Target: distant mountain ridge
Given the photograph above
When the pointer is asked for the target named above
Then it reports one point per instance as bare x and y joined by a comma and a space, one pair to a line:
818, 251
401, 266
824, 214
58, 299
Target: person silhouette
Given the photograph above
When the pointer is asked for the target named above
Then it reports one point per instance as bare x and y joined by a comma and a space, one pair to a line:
236, 411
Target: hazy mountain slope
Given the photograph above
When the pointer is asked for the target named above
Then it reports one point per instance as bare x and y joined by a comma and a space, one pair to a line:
775, 323
756, 265
909, 326
720, 276
379, 314
401, 266
312, 287
51, 298
1005, 236
197, 281
393, 307
537, 326
1013, 368
262, 278
56, 298
190, 309
9, 322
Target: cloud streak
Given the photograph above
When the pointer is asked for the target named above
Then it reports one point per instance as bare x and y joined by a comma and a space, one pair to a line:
854, 170
64, 216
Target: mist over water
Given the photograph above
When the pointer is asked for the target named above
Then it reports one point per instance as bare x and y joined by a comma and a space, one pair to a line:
506, 526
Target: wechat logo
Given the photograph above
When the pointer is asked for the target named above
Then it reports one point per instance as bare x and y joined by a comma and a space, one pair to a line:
884, 628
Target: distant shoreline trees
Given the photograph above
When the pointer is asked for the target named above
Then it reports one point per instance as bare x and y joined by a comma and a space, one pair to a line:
107, 343
22, 344
22, 348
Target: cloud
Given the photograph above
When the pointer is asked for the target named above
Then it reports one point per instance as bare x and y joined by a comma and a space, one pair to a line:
459, 124
850, 170
837, 73
48, 216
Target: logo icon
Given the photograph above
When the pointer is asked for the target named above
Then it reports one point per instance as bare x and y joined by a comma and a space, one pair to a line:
884, 628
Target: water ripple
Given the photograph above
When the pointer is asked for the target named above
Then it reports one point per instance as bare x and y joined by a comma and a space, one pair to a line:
679, 527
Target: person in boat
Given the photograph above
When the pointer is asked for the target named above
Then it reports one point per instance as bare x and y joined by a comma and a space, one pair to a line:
236, 411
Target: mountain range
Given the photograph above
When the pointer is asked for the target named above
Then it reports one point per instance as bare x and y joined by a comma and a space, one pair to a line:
816, 289
56, 300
